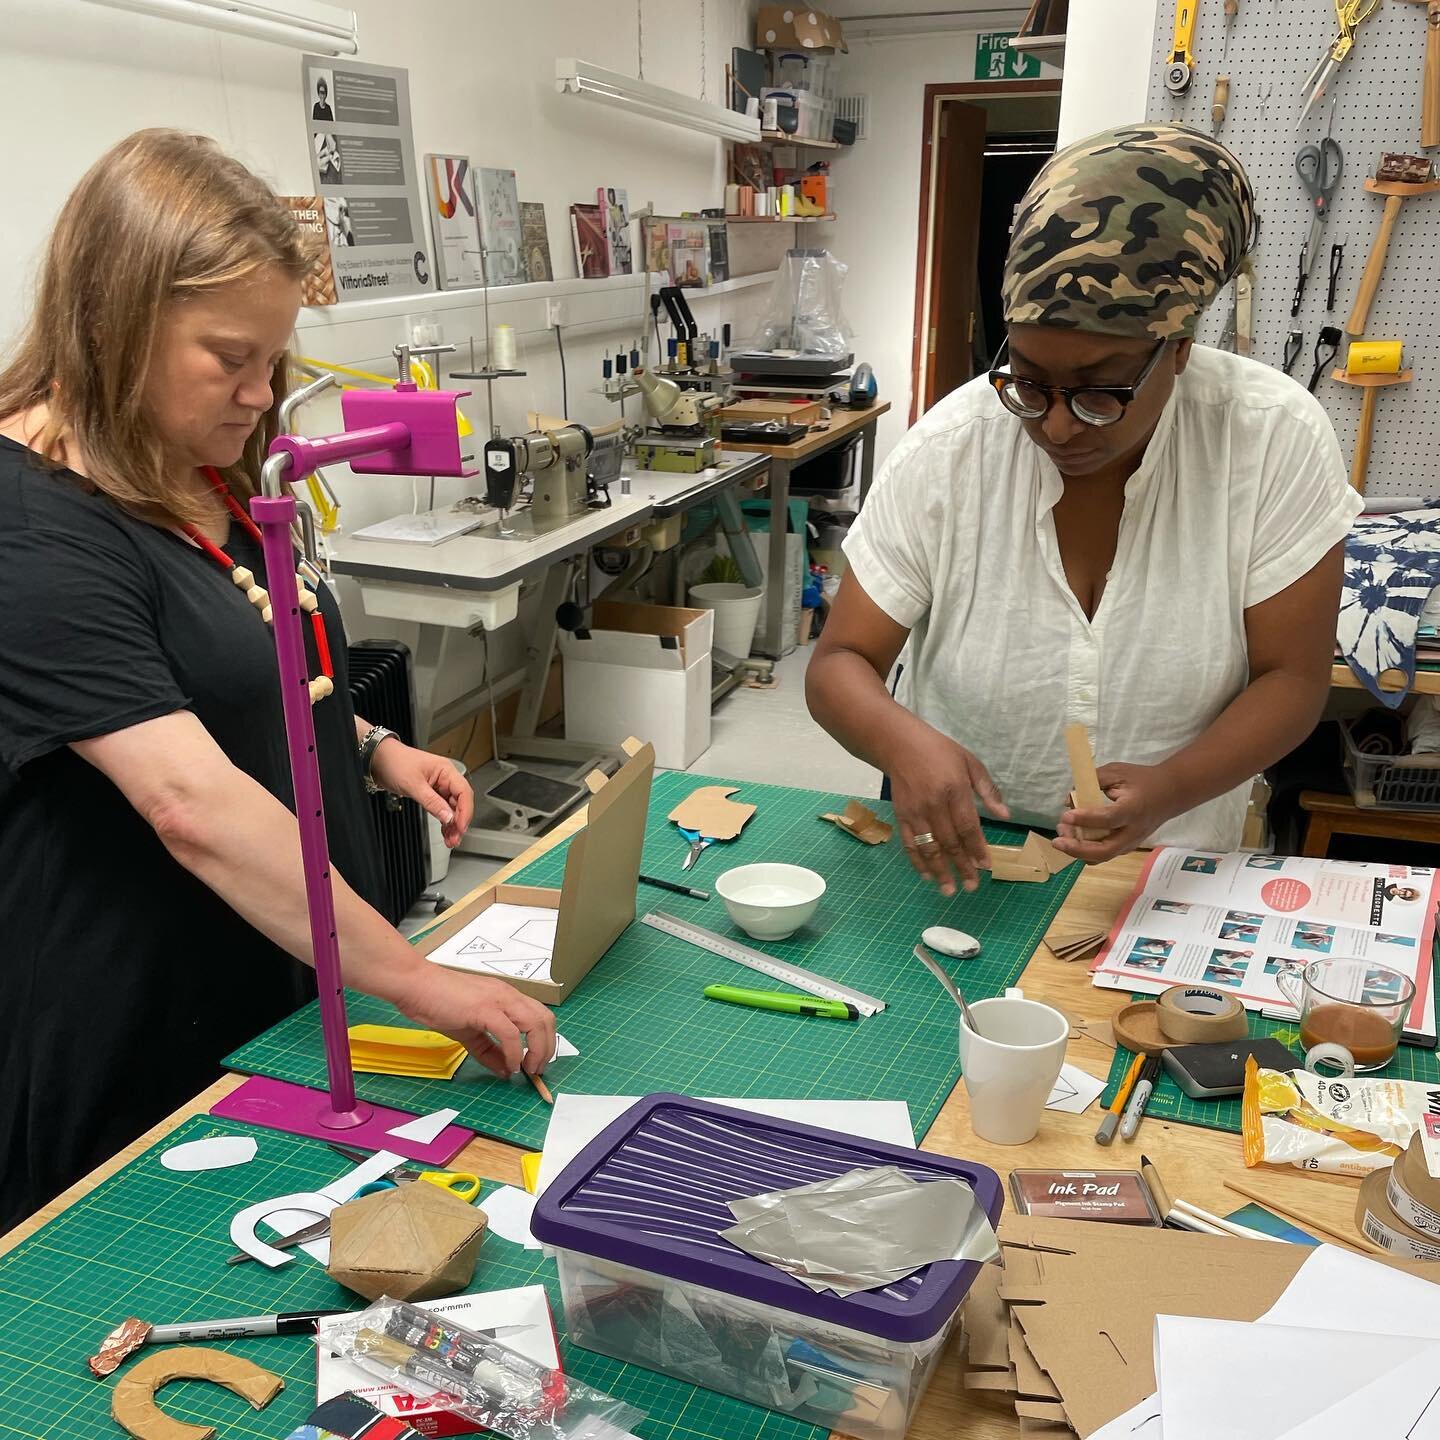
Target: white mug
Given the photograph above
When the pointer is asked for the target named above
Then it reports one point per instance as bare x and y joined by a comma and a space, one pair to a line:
1011, 1066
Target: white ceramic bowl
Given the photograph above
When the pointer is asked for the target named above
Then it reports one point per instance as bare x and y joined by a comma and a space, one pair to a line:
770, 902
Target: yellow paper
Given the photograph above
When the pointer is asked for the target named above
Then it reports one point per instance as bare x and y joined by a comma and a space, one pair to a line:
530, 1170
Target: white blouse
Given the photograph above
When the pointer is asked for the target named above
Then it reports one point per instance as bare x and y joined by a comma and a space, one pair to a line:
1240, 493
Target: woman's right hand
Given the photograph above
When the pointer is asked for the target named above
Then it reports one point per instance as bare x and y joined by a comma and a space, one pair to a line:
933, 785
487, 1016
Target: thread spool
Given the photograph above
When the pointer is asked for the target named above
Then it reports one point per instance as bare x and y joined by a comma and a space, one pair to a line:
502, 348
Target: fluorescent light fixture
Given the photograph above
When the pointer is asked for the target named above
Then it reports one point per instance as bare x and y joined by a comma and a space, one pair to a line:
325, 29
593, 82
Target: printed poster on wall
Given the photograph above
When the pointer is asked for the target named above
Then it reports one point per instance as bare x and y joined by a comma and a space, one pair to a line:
362, 157
451, 183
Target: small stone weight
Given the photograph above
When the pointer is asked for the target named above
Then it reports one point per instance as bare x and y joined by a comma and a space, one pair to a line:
955, 943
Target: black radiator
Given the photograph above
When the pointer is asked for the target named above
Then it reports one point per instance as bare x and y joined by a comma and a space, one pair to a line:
380, 686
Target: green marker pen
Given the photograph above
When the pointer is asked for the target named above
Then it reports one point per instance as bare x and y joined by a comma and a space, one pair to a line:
783, 1001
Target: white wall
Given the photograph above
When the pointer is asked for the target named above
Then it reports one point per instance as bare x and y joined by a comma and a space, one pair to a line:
1108, 54
877, 200
75, 77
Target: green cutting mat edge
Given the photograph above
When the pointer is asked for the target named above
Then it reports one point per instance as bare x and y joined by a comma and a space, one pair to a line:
1170, 1102
152, 1242
641, 1024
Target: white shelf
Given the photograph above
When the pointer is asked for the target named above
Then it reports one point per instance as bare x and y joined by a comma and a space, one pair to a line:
1047, 47
779, 137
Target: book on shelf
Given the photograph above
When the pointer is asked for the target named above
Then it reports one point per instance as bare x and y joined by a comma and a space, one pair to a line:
500, 227
587, 229
535, 238
657, 249
689, 254
719, 252
614, 208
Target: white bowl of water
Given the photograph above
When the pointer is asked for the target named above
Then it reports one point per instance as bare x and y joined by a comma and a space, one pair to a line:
770, 902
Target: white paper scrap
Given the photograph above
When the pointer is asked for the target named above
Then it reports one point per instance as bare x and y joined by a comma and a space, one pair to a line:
508, 1210
1075, 1091
1139, 1422
1403, 1404
424, 1129
219, 1152
515, 941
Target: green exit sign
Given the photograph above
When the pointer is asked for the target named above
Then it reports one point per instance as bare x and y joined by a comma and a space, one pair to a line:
995, 60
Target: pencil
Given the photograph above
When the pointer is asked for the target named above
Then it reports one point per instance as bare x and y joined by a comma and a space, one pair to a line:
1304, 1219
1110, 1122
543, 1089
1151, 1176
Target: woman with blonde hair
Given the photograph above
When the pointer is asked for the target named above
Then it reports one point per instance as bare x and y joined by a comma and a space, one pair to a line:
150, 877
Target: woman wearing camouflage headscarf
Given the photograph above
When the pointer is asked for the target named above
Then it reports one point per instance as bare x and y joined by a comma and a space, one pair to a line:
1114, 527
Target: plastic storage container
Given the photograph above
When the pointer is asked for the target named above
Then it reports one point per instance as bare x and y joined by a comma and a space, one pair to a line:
634, 1222
1386, 782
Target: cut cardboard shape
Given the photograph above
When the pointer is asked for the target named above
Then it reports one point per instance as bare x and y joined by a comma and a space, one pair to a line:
133, 1404
596, 900
1087, 794
861, 822
1034, 862
709, 811
795, 27
413, 1242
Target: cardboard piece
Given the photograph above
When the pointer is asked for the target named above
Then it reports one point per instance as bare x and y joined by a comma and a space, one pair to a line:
1087, 794
413, 1242
1035, 861
596, 900
708, 811
861, 822
753, 411
133, 1404
1069, 945
641, 668
792, 27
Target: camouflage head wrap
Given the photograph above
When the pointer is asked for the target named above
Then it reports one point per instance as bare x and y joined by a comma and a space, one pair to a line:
1131, 232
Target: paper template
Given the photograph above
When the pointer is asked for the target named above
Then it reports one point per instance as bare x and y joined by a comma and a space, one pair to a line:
425, 1129
286, 1222
219, 1152
1075, 1091
508, 1210
515, 941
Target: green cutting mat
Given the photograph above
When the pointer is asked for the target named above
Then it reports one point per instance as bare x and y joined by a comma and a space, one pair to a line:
1170, 1102
641, 1024
152, 1243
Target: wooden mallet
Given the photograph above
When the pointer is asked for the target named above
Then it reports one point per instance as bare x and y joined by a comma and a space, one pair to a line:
1430, 93
1387, 182
1371, 382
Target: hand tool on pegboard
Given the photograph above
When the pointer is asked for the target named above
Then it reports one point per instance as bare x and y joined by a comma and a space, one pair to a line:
1180, 67
1371, 381
1319, 168
1430, 89
1349, 13
1398, 178
1221, 101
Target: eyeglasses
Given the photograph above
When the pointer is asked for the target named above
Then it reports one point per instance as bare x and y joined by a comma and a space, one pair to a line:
1090, 404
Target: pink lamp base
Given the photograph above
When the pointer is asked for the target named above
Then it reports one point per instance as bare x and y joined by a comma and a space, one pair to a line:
298, 1110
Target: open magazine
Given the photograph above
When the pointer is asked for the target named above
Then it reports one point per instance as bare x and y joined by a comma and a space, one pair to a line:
1236, 922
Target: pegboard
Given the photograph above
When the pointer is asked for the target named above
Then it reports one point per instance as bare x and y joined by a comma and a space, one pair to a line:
1273, 45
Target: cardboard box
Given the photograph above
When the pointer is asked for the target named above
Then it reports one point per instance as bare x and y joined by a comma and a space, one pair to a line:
788, 27
750, 411
641, 670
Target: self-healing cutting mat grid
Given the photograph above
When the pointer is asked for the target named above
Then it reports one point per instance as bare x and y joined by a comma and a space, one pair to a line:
152, 1243
1170, 1102
641, 1024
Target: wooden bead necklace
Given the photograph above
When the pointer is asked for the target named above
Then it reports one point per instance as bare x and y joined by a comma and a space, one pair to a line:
257, 595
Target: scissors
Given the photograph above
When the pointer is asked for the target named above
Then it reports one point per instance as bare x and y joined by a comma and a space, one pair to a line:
458, 1182
1319, 168
1349, 13
698, 842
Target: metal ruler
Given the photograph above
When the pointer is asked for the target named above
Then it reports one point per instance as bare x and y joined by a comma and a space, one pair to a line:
800, 978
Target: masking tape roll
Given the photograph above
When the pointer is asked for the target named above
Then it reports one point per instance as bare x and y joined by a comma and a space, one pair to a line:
1195, 1015
1415, 1174
1374, 357
1384, 1227
1415, 1213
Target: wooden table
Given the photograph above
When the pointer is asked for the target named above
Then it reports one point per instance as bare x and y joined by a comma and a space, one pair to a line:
783, 459
1192, 1162
1427, 682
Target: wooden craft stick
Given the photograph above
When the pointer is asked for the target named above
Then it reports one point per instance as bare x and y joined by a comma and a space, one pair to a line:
1304, 1219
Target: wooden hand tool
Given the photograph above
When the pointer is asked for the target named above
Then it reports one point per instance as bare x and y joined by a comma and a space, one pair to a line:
1430, 93
1371, 384
1395, 191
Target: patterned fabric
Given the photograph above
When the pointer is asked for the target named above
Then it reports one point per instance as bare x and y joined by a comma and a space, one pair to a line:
1392, 563
1131, 232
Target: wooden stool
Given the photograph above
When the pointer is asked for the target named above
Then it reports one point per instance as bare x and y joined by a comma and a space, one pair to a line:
1340, 815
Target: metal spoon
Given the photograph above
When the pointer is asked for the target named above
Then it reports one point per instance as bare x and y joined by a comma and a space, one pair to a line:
933, 966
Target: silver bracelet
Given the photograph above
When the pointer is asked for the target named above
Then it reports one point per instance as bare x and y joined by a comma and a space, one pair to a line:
368, 746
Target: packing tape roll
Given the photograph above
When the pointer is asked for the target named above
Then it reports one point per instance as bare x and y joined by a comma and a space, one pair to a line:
1415, 1213
1415, 1174
1137, 1028
1384, 1227
1374, 357
1195, 1015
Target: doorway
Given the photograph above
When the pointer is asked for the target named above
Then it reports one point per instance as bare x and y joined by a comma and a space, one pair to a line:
983, 144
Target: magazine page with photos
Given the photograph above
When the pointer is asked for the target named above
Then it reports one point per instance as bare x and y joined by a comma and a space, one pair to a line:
1238, 921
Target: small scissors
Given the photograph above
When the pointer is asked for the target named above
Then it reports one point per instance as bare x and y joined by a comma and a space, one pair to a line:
698, 842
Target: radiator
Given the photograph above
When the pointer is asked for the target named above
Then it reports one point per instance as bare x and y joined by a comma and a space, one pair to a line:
382, 690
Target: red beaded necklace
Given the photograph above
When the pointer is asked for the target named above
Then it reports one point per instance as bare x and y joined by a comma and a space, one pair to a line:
324, 683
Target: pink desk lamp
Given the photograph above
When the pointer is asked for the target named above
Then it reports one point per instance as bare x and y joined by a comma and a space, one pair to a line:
405, 431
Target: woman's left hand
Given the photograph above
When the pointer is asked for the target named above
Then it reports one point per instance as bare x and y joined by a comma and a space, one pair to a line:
1142, 799
432, 780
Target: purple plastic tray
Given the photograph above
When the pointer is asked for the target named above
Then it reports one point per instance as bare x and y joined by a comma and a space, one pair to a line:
650, 1191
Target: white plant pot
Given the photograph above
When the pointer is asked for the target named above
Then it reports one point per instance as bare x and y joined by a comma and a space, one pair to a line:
737, 611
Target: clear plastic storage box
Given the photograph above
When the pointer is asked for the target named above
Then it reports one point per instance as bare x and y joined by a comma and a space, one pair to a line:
634, 1222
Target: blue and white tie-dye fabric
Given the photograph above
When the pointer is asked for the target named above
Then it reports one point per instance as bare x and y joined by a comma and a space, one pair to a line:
1392, 563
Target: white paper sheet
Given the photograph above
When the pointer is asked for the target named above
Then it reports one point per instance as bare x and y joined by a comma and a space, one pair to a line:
1336, 1289
429, 527
425, 1128
1401, 1405
1139, 1422
219, 1152
515, 941
1075, 1091
1254, 1382
508, 1210
578, 1119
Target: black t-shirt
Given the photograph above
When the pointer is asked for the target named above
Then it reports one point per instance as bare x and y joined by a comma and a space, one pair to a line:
321, 111
123, 979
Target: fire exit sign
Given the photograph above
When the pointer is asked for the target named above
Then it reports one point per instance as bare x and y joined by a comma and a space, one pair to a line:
995, 60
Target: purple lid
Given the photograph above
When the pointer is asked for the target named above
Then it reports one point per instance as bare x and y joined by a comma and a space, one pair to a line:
651, 1190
